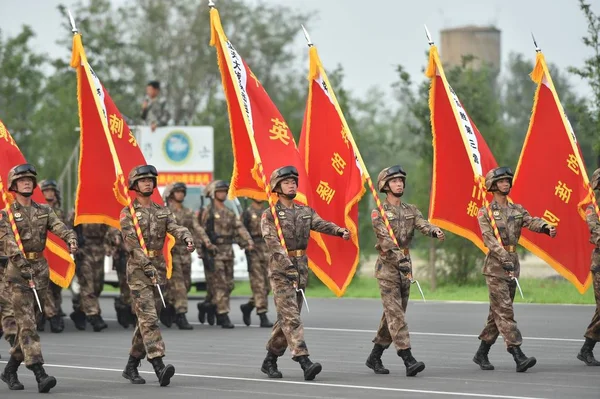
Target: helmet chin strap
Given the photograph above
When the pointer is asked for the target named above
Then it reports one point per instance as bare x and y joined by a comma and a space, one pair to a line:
289, 196
26, 195
398, 195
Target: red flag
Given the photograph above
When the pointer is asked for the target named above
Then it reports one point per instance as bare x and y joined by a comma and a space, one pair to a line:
461, 158
334, 175
108, 152
551, 182
61, 265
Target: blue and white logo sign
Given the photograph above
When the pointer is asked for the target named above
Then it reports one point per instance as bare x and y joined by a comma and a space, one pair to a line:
177, 147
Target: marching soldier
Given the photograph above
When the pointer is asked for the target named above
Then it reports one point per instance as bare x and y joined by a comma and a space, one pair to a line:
258, 267
501, 267
33, 221
223, 227
146, 272
180, 283
592, 334
393, 269
288, 270
53, 304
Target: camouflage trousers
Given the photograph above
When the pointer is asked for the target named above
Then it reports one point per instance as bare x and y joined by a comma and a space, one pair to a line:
7, 315
259, 280
208, 278
124, 287
180, 283
222, 284
288, 329
53, 300
90, 274
593, 330
501, 318
27, 347
393, 327
147, 339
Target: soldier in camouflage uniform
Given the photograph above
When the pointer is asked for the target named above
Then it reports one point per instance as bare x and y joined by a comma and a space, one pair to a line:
8, 325
119, 254
154, 108
33, 221
178, 286
288, 270
53, 304
393, 269
501, 267
146, 271
592, 334
258, 267
93, 247
224, 227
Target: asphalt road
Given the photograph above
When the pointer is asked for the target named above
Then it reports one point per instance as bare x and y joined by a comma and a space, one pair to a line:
212, 362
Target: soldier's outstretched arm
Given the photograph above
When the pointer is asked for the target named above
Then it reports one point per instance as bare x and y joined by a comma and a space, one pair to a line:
56, 226
269, 233
179, 232
423, 225
317, 223
489, 238
535, 224
8, 244
593, 224
241, 234
386, 244
130, 239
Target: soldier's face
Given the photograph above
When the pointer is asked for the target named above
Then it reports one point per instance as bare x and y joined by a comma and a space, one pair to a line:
503, 186
25, 185
49, 194
179, 196
289, 186
221, 195
151, 91
145, 185
396, 185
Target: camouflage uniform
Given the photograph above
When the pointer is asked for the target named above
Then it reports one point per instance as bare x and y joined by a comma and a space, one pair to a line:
8, 325
258, 269
393, 271
227, 229
180, 283
144, 272
90, 274
501, 263
119, 254
53, 304
33, 223
592, 334
288, 272
156, 112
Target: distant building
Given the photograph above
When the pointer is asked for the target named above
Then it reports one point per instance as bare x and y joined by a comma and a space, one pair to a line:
483, 42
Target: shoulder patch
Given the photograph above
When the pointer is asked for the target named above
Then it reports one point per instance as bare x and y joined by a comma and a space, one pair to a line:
374, 214
588, 212
481, 213
123, 215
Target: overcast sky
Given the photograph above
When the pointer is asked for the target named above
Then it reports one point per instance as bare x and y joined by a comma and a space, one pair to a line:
370, 37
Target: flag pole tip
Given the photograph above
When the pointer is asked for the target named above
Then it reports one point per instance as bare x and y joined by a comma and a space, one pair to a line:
537, 48
211, 3
72, 21
306, 36
429, 39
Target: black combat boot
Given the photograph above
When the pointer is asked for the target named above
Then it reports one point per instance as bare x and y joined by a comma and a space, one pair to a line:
41, 323
223, 321
247, 312
310, 369
45, 382
412, 366
374, 360
586, 353
97, 322
10, 375
167, 315
269, 366
481, 357
164, 373
61, 313
264, 320
523, 362
211, 313
57, 324
202, 312
78, 318
131, 371
182, 322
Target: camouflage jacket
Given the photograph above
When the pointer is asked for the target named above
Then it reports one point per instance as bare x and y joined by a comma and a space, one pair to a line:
296, 223
33, 223
185, 217
156, 112
155, 222
591, 217
509, 220
59, 212
228, 229
251, 219
404, 219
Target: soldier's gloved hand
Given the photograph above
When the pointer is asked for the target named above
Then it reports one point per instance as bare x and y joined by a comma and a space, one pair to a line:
73, 246
439, 234
213, 248
344, 233
508, 266
404, 268
250, 246
190, 245
27, 272
150, 270
292, 274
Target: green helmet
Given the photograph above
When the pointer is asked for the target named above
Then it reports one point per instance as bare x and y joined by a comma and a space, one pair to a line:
20, 171
595, 183
496, 175
388, 174
142, 172
280, 174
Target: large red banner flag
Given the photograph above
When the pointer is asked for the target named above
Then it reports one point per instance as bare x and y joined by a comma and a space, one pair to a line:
60, 262
108, 151
461, 158
334, 174
551, 181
